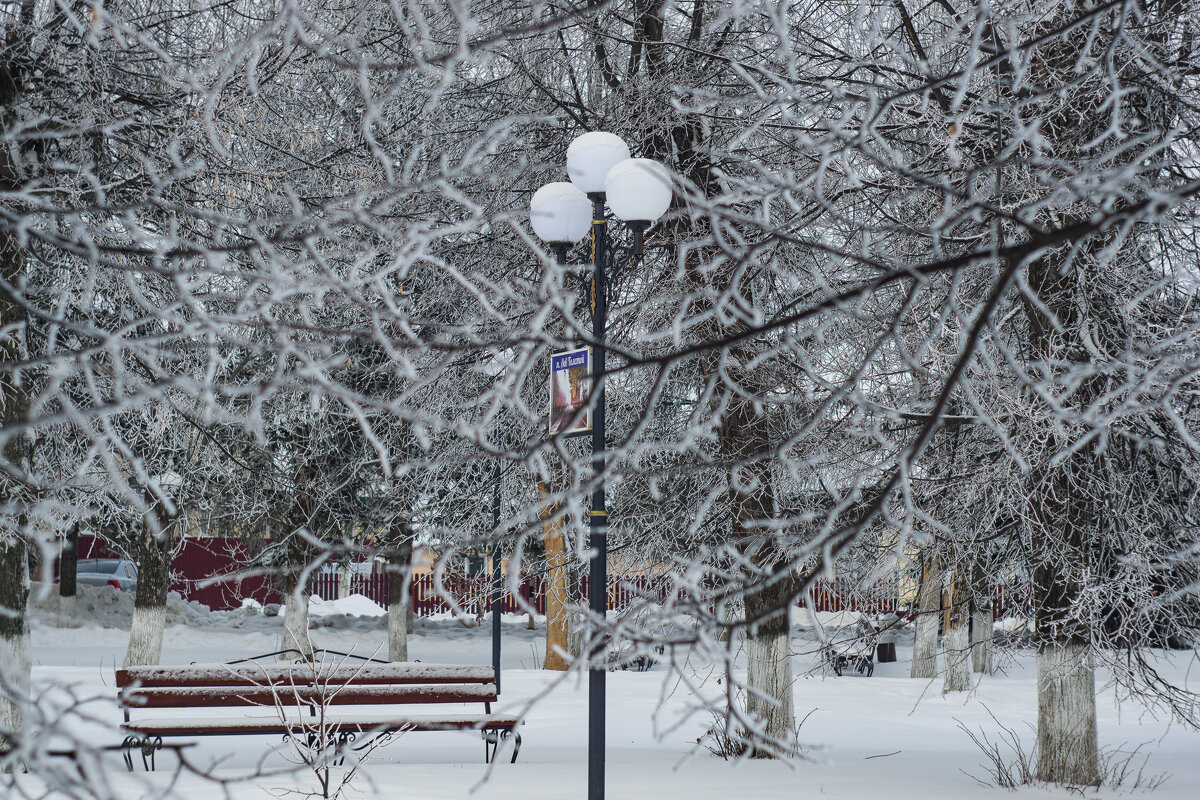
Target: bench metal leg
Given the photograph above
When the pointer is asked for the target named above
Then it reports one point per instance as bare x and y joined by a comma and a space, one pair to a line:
149, 745
128, 745
492, 739
345, 741
337, 741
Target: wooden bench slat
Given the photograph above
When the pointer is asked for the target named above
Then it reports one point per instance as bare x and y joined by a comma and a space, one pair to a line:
241, 674
218, 726
227, 696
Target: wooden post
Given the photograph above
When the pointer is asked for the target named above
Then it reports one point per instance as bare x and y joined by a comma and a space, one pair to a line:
557, 573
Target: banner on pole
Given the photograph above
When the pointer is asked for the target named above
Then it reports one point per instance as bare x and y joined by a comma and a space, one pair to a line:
570, 390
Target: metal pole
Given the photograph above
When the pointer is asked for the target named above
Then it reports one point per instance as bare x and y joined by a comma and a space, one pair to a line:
496, 581
598, 517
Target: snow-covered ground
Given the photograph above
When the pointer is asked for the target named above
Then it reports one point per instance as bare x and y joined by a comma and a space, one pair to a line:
881, 737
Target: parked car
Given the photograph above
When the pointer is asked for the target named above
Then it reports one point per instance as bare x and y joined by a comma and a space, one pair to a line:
115, 572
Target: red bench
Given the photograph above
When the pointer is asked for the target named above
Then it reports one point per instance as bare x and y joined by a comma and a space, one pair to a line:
297, 701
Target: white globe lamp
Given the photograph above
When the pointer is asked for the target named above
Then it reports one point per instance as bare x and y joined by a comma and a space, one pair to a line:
591, 156
560, 212
638, 190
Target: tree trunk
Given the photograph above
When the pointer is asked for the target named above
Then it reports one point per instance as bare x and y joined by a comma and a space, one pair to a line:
725, 616
744, 438
1067, 736
769, 681
344, 574
981, 640
1067, 739
153, 551
956, 644
14, 405
399, 592
981, 622
769, 669
1063, 496
397, 621
929, 611
557, 574
295, 636
575, 636
68, 570
14, 635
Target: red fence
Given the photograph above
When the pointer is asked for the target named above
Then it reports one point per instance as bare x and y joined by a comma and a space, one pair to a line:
207, 570
843, 595
473, 595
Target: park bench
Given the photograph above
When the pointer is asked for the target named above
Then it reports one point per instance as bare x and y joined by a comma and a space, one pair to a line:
295, 701
845, 652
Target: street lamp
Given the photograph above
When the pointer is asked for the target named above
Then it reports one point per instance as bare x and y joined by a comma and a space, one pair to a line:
638, 190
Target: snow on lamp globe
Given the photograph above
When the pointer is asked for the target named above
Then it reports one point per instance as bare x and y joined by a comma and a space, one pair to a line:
590, 157
638, 190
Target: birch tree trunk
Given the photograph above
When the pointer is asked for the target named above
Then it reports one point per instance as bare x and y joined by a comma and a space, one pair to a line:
152, 548
956, 644
929, 612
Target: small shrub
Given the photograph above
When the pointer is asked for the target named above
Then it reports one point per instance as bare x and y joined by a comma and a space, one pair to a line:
1126, 769
1009, 765
722, 740
730, 740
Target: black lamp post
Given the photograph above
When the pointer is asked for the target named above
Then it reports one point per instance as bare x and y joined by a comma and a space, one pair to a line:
638, 191
497, 598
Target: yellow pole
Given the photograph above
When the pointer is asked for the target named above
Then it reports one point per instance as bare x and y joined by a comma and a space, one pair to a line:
557, 623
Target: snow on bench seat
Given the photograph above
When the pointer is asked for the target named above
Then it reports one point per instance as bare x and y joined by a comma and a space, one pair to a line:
222, 726
292, 693
241, 674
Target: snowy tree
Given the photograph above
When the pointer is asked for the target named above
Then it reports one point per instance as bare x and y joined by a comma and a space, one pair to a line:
281, 253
